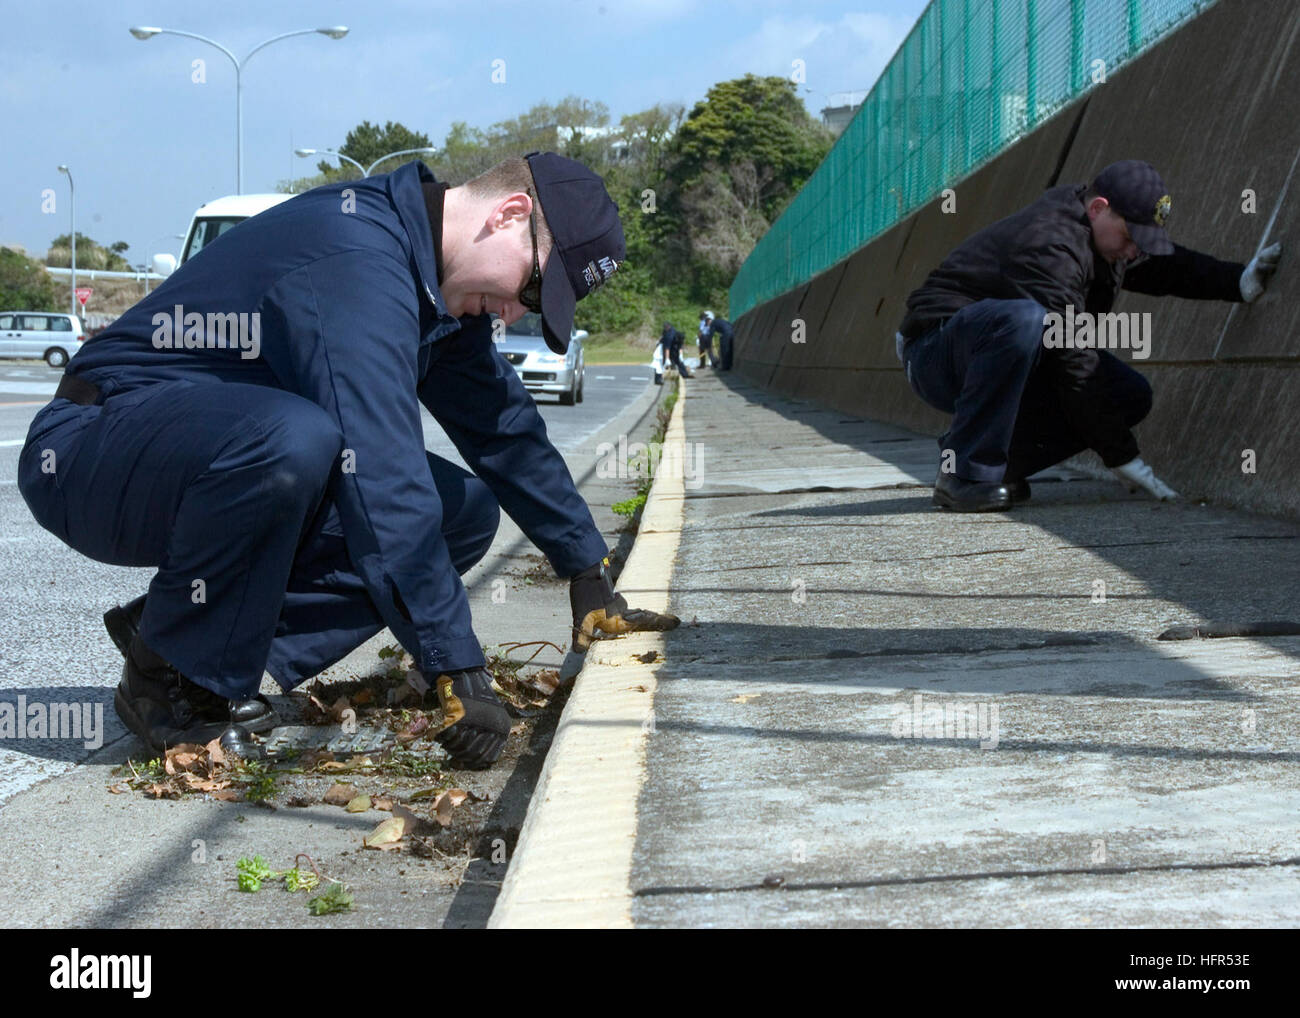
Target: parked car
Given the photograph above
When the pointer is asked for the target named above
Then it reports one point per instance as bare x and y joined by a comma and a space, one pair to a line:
539, 368
53, 337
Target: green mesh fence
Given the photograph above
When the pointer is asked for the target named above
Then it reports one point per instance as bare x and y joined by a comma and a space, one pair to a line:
971, 78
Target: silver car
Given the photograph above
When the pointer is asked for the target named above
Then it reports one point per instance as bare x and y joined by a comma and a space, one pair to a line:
540, 369
52, 337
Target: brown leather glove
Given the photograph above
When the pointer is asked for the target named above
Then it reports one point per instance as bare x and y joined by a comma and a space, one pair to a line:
599, 613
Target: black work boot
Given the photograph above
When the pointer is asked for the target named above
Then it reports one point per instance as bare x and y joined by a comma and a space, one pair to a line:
164, 708
963, 496
123, 625
1018, 490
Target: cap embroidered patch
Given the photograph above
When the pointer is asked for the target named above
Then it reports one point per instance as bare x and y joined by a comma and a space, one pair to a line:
597, 272
1161, 214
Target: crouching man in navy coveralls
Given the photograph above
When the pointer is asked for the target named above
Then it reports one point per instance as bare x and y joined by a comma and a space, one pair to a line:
252, 429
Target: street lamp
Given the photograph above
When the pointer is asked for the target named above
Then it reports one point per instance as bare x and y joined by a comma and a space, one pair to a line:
73, 203
145, 32
365, 172
304, 152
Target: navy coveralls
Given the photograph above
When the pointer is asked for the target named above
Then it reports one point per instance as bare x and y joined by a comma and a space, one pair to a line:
722, 329
280, 482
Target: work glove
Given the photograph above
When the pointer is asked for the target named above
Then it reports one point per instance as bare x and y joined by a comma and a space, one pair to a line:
1257, 273
599, 613
476, 726
1136, 474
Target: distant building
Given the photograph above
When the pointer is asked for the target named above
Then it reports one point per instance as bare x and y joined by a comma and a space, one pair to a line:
843, 107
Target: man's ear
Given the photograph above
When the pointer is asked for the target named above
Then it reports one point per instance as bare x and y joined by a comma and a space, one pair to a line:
512, 210
1097, 206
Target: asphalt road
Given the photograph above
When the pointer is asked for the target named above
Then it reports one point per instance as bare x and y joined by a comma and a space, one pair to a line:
52, 641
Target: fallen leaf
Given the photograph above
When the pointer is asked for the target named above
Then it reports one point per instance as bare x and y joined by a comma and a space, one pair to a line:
392, 830
745, 697
216, 754
363, 696
383, 804
341, 795
423, 793
445, 803
226, 795
299, 801
358, 805
648, 657
339, 707
312, 758
117, 789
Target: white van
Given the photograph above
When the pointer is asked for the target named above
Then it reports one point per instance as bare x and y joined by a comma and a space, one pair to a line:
214, 218
44, 334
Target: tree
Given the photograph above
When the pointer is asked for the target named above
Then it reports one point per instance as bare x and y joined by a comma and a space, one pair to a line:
368, 142
25, 285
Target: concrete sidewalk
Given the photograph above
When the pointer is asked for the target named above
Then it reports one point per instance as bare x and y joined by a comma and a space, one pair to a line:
884, 715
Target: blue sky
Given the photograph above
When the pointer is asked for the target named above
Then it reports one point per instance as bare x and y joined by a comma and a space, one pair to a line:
147, 145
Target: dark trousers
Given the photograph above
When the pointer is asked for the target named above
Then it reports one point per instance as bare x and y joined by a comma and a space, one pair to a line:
724, 348
225, 488
706, 350
984, 367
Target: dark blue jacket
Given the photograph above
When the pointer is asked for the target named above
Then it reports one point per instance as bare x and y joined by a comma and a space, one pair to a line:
720, 328
344, 278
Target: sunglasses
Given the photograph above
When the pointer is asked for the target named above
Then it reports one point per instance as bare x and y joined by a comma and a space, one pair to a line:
531, 295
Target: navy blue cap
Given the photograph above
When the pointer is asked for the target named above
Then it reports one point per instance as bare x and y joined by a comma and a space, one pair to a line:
1136, 192
588, 239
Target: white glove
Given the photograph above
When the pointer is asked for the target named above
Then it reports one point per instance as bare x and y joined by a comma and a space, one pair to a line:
1136, 474
1263, 265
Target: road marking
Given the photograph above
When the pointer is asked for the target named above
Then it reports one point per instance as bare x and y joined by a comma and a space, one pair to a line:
31, 388
607, 378
11, 441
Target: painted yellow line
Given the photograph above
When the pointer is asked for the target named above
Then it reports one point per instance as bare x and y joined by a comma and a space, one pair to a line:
573, 861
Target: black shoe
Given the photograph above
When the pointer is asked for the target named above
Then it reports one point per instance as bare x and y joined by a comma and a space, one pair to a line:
1018, 490
123, 625
963, 496
165, 709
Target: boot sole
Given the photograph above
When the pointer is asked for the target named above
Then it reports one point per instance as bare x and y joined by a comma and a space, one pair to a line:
942, 502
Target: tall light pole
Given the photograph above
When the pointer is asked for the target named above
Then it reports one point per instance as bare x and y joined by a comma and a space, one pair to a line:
365, 171
73, 203
146, 32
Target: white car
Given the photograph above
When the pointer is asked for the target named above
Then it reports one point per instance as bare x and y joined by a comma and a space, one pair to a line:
45, 334
214, 218
540, 368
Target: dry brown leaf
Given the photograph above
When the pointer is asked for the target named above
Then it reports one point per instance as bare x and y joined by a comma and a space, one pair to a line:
339, 707
341, 795
117, 789
216, 754
363, 696
383, 804
358, 805
392, 830
226, 795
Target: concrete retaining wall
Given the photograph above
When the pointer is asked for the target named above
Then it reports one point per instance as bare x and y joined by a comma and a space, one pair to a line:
1216, 108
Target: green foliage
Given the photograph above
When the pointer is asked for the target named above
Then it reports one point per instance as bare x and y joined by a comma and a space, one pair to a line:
335, 898
252, 873
25, 285
695, 192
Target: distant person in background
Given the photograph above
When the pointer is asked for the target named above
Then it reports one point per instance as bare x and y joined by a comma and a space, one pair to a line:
705, 339
721, 328
672, 341
982, 339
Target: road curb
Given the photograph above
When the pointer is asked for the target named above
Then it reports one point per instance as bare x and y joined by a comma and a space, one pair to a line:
573, 860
